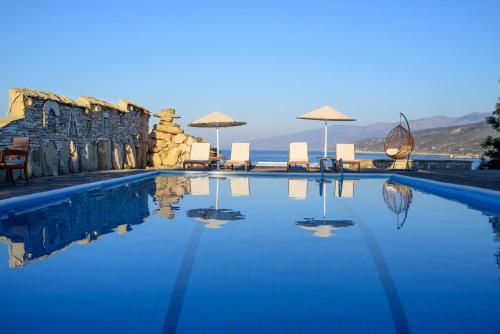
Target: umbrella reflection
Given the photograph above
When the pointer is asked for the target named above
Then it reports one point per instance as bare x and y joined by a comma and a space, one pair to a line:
323, 227
398, 198
213, 217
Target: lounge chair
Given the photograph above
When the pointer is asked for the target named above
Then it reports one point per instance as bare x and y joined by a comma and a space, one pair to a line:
199, 155
297, 189
297, 155
240, 186
240, 156
345, 152
16, 158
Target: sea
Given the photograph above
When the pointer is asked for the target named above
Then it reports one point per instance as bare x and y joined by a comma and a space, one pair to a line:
279, 158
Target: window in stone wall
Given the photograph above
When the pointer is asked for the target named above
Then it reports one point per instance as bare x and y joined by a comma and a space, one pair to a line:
73, 129
122, 119
88, 128
52, 121
44, 119
105, 126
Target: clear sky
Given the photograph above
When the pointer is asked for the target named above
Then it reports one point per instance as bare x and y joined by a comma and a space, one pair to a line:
260, 61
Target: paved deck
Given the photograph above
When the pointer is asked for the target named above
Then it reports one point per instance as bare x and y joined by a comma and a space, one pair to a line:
489, 179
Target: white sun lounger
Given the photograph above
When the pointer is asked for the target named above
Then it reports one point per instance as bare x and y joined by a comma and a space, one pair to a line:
199, 155
298, 155
345, 152
240, 156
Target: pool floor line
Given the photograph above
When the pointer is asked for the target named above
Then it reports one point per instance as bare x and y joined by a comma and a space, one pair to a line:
398, 313
182, 280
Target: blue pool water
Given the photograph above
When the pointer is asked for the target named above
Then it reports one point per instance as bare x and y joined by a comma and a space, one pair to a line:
251, 254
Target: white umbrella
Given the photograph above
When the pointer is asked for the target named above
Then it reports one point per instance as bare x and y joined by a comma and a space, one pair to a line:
216, 120
325, 114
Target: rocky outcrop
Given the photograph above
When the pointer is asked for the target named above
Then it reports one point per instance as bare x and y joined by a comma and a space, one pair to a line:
169, 146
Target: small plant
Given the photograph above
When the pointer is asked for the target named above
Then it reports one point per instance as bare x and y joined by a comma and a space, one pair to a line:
491, 156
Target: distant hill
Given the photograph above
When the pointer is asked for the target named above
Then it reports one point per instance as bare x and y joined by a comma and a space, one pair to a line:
461, 140
350, 133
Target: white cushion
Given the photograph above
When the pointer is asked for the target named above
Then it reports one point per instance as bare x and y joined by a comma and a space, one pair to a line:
200, 151
240, 152
298, 152
345, 152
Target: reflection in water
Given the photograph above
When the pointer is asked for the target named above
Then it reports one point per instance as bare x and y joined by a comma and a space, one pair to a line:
37, 234
322, 227
495, 224
344, 188
169, 191
398, 198
214, 217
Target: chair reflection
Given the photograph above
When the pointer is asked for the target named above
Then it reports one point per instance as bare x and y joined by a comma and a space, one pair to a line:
240, 186
398, 198
200, 186
297, 189
344, 188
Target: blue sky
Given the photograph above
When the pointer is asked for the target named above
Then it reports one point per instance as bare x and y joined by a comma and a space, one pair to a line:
260, 61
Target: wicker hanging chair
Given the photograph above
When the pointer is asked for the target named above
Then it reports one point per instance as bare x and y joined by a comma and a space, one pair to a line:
398, 198
399, 142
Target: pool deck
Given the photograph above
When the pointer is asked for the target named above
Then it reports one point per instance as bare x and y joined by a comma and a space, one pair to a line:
487, 179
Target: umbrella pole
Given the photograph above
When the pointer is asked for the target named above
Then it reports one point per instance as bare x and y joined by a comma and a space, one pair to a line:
217, 130
324, 200
326, 136
216, 194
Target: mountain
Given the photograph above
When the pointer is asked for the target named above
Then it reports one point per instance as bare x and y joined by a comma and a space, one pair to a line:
461, 140
347, 133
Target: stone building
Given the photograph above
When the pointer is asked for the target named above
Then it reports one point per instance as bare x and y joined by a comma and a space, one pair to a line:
70, 136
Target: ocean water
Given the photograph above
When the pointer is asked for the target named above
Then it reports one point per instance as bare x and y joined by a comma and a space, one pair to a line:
177, 254
282, 156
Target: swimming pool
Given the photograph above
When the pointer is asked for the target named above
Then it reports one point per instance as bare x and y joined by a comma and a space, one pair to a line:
222, 254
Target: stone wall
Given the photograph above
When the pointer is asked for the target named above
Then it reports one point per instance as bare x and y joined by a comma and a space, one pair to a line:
169, 146
71, 136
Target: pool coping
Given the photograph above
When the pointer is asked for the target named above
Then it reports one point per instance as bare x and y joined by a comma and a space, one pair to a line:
462, 193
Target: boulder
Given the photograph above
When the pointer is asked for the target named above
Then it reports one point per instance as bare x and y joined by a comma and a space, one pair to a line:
117, 155
74, 164
161, 136
50, 159
189, 140
104, 155
166, 119
171, 128
35, 161
86, 156
179, 138
64, 159
130, 157
172, 159
155, 160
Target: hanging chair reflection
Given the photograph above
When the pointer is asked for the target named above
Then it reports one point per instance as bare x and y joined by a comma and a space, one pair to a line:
399, 142
398, 198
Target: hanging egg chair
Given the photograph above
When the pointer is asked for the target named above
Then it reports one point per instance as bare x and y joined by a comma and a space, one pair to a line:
398, 198
399, 142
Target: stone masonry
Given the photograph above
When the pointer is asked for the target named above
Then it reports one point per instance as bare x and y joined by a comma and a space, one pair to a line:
169, 146
71, 136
